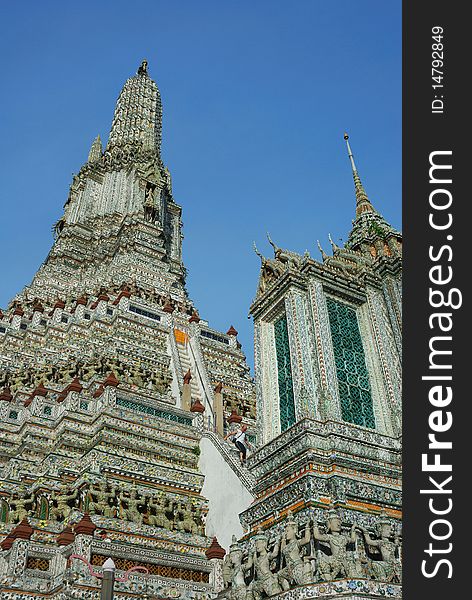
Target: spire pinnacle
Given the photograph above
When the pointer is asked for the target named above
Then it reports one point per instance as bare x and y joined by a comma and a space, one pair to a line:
362, 201
96, 150
143, 68
138, 115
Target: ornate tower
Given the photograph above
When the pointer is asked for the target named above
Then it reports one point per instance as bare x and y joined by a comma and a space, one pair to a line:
328, 335
327, 512
120, 223
114, 393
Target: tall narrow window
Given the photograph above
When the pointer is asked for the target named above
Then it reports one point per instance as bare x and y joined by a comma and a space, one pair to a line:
353, 378
282, 348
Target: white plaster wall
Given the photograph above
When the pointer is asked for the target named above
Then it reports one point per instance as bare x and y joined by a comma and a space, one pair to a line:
226, 495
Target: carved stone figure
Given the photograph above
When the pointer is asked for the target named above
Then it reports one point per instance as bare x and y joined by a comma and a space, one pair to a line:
143, 67
20, 504
185, 518
129, 507
338, 564
100, 500
270, 271
150, 209
157, 513
389, 568
297, 568
264, 580
61, 503
289, 259
234, 571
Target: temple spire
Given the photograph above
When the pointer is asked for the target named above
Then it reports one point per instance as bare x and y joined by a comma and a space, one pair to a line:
137, 123
362, 201
96, 150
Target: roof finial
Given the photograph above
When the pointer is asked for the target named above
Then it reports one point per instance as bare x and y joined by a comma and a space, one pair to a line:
323, 253
362, 201
274, 246
257, 252
334, 246
143, 68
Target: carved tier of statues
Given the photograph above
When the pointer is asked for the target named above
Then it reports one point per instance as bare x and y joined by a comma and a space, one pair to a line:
152, 377
265, 568
109, 500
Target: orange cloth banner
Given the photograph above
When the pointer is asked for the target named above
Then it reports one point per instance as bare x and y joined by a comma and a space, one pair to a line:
180, 336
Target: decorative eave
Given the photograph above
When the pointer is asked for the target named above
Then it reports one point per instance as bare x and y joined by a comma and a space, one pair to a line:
387, 265
349, 288
266, 300
98, 392
39, 391
7, 542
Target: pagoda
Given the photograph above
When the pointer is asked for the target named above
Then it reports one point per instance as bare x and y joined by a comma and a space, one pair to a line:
326, 519
115, 394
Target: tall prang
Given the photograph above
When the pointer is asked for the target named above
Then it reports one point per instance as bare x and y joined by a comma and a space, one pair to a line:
121, 224
115, 394
326, 519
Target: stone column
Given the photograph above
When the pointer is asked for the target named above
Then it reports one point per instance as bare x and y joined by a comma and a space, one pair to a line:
56, 312
108, 581
38, 310
83, 532
232, 333
186, 400
123, 299
16, 318
215, 554
17, 542
80, 305
218, 409
329, 406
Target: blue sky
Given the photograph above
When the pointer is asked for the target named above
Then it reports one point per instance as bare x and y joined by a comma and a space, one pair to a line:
256, 96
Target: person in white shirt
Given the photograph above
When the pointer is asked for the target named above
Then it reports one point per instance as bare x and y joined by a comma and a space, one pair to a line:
240, 441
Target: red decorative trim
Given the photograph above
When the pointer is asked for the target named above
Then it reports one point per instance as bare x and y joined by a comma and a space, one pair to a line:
234, 417
215, 550
197, 406
85, 526
111, 380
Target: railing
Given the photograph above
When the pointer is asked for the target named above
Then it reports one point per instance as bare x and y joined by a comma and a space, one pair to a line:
231, 458
205, 384
176, 358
